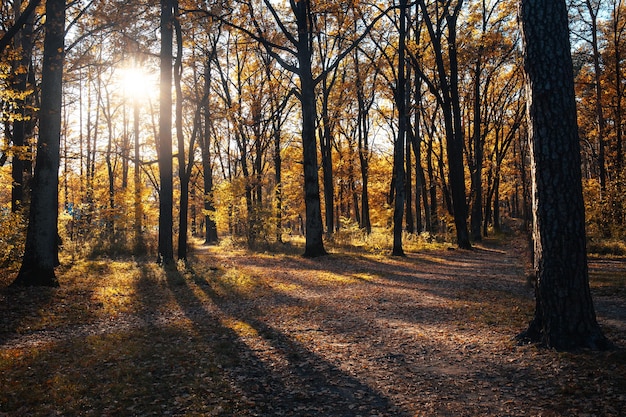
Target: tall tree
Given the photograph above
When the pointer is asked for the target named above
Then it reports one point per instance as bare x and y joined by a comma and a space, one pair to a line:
302, 11
166, 195
564, 313
41, 251
211, 236
447, 93
23, 124
399, 151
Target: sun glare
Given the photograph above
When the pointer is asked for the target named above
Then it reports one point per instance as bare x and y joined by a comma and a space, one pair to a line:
135, 83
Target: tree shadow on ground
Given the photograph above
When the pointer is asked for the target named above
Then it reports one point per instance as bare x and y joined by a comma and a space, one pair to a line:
298, 383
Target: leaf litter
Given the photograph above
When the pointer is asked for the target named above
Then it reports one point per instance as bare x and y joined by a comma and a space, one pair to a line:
247, 334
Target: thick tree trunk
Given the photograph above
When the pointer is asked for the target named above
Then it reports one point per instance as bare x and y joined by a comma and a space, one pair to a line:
314, 229
166, 195
564, 315
41, 251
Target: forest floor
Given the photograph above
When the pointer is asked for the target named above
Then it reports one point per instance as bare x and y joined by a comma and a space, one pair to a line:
236, 333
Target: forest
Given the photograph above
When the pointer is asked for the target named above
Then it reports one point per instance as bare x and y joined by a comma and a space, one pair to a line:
261, 207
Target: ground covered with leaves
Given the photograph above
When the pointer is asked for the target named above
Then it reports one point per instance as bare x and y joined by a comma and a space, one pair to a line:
240, 333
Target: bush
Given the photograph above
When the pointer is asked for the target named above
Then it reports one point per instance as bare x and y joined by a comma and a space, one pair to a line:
13, 237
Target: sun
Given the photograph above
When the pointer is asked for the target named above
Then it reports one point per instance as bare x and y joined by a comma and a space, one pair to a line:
136, 83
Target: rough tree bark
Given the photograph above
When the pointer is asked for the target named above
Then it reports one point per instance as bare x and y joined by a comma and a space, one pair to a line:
564, 315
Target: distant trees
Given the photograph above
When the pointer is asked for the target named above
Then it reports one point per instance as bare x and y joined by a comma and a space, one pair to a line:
270, 96
599, 71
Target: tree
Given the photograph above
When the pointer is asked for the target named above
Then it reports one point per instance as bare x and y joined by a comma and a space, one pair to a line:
166, 195
20, 22
564, 313
41, 251
447, 93
211, 236
297, 51
23, 123
399, 151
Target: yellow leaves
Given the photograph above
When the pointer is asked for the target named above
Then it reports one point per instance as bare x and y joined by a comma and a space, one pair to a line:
242, 328
285, 286
364, 276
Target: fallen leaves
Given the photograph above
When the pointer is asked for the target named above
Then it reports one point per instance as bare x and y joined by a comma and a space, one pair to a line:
344, 335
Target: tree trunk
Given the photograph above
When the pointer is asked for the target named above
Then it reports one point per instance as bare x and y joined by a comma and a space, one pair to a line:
597, 74
166, 194
408, 185
41, 251
432, 189
210, 227
139, 243
448, 78
477, 164
314, 245
564, 315
278, 193
398, 154
456, 171
210, 235
184, 174
363, 147
327, 161
22, 127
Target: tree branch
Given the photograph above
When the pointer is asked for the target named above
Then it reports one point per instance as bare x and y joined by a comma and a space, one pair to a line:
21, 21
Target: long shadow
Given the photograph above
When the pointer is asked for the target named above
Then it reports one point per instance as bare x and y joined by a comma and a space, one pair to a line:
442, 382
19, 304
473, 273
303, 383
438, 384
